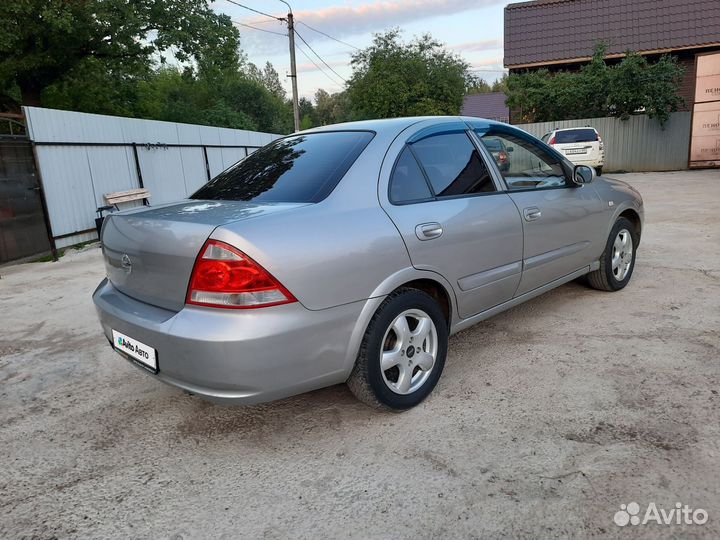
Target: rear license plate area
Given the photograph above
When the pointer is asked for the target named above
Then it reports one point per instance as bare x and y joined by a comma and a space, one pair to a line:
136, 351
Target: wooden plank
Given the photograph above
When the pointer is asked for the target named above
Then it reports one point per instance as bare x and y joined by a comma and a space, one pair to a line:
126, 196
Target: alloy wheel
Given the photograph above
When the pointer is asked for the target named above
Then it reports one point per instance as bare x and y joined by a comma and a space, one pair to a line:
409, 351
622, 254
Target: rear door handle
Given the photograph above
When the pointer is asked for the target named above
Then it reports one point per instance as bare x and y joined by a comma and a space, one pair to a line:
428, 231
532, 213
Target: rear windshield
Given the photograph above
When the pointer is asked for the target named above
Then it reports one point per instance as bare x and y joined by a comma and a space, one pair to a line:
296, 169
494, 145
575, 135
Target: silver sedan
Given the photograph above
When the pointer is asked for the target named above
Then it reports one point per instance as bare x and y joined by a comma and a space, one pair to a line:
350, 253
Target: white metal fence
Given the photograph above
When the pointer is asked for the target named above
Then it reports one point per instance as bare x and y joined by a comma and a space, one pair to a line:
81, 156
637, 144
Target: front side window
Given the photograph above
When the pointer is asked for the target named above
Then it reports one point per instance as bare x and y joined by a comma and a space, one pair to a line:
453, 165
524, 164
296, 169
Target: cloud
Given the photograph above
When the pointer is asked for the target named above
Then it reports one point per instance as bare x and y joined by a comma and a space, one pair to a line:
483, 45
307, 67
488, 65
348, 20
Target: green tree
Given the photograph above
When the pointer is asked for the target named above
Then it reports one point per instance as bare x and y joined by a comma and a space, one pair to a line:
500, 85
60, 42
268, 77
234, 100
391, 78
331, 108
598, 89
481, 86
308, 117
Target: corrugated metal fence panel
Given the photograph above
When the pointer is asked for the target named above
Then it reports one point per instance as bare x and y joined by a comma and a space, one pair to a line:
76, 177
162, 173
194, 169
76, 172
636, 145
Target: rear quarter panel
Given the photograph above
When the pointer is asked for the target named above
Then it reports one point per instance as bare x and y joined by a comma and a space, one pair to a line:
330, 253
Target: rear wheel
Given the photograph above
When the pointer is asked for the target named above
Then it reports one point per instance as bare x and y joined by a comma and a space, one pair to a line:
618, 260
598, 171
402, 354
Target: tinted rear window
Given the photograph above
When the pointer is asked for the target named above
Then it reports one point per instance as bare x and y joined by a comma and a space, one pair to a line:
575, 135
494, 145
299, 168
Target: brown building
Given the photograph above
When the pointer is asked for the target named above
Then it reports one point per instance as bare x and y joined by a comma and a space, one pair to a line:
562, 34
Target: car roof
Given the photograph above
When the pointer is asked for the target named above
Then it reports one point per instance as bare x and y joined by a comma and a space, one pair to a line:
396, 125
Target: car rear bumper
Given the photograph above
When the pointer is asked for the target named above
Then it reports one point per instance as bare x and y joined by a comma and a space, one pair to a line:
241, 356
589, 161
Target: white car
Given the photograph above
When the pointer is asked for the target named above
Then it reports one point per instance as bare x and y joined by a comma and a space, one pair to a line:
582, 146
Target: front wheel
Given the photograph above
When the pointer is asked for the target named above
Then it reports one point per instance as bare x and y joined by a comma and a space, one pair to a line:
618, 260
402, 354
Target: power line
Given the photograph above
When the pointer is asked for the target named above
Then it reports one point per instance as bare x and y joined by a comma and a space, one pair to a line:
319, 57
260, 29
329, 36
255, 10
321, 70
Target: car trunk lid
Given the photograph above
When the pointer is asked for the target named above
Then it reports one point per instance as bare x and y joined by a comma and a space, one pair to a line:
150, 252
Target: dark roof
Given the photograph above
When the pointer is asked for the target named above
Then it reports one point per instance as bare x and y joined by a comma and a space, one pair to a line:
491, 106
549, 31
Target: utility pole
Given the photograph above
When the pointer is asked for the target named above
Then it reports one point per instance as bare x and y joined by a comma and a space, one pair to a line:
293, 67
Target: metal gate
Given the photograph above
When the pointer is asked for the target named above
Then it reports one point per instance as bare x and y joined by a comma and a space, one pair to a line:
23, 230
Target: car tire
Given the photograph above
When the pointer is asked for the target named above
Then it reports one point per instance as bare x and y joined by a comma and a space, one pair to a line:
413, 354
616, 262
598, 171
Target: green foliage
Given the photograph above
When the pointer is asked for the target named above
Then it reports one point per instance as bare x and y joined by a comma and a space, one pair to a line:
392, 79
268, 77
598, 90
234, 100
331, 108
500, 85
50, 42
481, 86
114, 56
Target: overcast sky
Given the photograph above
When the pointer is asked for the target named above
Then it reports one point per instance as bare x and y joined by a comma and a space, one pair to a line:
473, 28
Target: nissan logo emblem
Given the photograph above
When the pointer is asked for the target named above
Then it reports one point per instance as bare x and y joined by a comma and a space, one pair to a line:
126, 262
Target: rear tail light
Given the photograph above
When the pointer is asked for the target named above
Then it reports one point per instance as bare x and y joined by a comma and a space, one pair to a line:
600, 141
225, 277
552, 140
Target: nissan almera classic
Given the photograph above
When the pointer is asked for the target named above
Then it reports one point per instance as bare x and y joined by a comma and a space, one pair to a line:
350, 253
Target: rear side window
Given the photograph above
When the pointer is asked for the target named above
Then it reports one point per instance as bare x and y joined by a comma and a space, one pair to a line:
408, 183
296, 169
575, 136
453, 165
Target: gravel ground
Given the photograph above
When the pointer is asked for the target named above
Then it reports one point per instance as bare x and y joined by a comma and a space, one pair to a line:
547, 417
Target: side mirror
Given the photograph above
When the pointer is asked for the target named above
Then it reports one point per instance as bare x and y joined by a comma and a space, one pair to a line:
583, 174
510, 149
